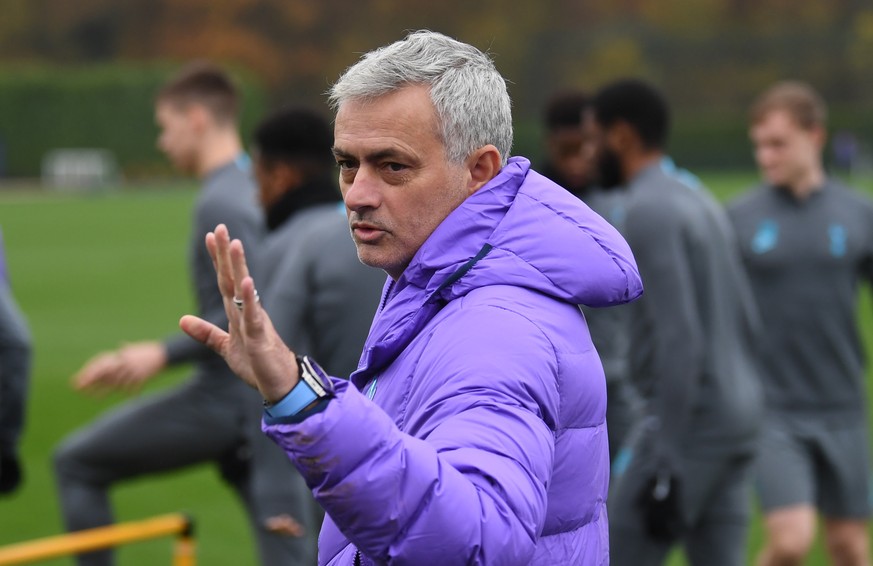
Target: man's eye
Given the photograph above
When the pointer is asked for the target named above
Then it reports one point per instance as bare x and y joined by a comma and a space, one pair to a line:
343, 164
395, 167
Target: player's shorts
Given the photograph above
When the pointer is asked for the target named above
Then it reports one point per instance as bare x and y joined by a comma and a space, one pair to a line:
815, 462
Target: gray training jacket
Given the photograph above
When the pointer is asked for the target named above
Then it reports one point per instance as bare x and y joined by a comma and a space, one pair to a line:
695, 330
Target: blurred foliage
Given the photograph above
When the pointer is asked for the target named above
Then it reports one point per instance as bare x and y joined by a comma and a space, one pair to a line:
98, 106
709, 56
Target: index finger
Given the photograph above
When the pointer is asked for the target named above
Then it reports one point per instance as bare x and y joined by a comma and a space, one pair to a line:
218, 246
239, 265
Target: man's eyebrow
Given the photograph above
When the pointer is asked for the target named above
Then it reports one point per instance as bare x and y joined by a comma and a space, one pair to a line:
338, 153
379, 155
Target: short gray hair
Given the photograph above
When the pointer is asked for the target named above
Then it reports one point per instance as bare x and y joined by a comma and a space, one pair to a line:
468, 94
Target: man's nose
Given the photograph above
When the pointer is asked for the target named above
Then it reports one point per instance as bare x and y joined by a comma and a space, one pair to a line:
362, 191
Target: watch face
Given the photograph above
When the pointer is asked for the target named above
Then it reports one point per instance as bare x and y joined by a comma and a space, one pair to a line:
311, 371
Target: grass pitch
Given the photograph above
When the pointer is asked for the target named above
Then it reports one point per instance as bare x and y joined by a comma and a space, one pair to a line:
91, 272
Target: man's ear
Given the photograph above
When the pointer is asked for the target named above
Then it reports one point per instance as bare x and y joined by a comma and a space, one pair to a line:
278, 179
289, 176
482, 165
198, 117
622, 137
819, 136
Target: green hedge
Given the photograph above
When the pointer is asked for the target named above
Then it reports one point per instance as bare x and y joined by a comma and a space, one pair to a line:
98, 106
110, 106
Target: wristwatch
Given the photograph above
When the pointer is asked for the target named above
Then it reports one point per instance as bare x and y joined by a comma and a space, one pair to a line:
314, 387
312, 375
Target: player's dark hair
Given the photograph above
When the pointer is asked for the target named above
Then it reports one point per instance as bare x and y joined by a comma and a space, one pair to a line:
565, 108
204, 83
638, 104
297, 135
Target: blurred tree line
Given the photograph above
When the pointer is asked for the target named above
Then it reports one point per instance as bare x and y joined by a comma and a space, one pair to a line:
709, 56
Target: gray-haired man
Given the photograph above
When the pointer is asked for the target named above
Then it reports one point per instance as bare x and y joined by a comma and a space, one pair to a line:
473, 431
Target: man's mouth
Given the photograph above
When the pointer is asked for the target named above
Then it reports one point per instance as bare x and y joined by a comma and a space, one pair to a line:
366, 232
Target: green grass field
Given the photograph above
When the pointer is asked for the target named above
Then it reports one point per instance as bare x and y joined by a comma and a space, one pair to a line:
91, 271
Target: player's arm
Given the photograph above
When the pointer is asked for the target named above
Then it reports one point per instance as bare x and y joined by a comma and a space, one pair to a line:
15, 366
662, 250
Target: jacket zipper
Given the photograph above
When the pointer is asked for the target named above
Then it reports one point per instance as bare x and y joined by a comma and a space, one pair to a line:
357, 557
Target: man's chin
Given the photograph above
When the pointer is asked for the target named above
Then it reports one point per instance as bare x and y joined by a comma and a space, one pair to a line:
367, 255
774, 179
184, 166
370, 256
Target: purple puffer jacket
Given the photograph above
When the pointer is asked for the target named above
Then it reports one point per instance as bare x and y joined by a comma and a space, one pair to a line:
489, 443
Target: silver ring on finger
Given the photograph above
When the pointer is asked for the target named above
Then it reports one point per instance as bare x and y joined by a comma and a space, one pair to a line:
239, 302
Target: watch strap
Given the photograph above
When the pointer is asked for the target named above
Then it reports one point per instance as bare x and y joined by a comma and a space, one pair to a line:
316, 407
300, 396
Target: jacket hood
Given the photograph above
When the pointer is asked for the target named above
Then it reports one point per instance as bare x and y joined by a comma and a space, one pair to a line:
534, 234
520, 229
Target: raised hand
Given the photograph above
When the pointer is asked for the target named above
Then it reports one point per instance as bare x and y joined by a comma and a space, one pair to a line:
251, 346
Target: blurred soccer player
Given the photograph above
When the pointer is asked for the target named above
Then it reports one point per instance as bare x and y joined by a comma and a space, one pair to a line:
807, 242
571, 148
210, 418
686, 476
569, 159
15, 363
320, 297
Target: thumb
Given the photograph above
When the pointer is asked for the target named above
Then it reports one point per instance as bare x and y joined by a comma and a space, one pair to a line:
204, 332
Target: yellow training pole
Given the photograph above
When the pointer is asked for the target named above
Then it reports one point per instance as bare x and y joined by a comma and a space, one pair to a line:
105, 537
